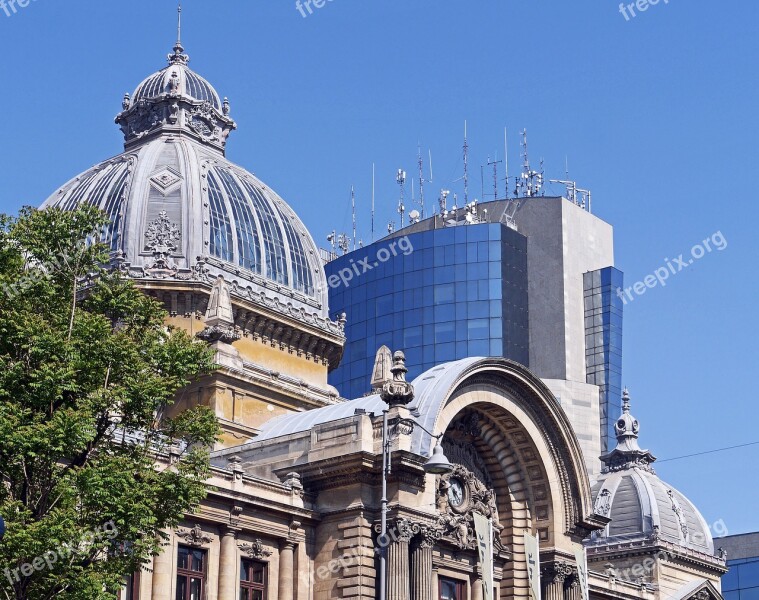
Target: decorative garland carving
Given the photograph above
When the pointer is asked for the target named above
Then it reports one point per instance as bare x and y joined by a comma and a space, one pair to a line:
195, 536
255, 550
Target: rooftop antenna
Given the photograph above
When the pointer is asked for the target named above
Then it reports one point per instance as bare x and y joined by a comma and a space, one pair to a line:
421, 178
372, 202
466, 166
400, 178
494, 164
342, 243
530, 180
443, 201
506, 158
353, 210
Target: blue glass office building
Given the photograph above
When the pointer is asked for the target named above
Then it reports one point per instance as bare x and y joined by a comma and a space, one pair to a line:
741, 582
440, 295
603, 343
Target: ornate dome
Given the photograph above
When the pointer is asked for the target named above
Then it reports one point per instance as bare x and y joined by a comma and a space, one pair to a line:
642, 507
180, 79
180, 210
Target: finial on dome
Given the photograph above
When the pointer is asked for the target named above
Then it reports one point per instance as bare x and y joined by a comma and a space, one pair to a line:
179, 56
627, 453
626, 401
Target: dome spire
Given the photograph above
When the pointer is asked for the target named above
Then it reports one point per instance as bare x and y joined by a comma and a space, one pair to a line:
179, 56
628, 453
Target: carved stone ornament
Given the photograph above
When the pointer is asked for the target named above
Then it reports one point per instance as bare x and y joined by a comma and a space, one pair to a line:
603, 503
162, 238
459, 495
255, 550
195, 536
556, 572
397, 391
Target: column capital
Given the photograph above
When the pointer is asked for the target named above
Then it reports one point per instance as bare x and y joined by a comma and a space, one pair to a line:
229, 530
556, 572
287, 544
429, 536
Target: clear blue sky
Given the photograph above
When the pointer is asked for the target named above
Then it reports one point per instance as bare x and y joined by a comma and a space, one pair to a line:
658, 115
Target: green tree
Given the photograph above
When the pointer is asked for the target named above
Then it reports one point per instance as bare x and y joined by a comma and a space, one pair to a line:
87, 369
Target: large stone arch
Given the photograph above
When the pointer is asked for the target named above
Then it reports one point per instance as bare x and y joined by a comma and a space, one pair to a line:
526, 442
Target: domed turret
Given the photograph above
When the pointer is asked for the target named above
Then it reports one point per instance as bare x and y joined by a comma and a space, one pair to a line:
642, 507
176, 100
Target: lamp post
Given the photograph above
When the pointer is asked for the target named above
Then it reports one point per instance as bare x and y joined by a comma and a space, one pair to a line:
437, 464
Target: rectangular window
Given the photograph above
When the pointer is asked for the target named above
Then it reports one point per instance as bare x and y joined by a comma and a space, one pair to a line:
252, 580
451, 589
129, 591
191, 573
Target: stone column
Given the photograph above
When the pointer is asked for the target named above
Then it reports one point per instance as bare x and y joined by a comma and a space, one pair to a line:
286, 570
477, 586
163, 569
434, 584
398, 585
228, 579
421, 564
573, 591
553, 576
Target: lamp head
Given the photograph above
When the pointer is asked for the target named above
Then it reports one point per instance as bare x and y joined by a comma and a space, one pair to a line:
438, 463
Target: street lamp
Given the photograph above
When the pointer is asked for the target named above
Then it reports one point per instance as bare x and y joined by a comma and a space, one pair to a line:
437, 464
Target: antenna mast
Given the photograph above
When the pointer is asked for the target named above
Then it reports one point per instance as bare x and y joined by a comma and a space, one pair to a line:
506, 158
531, 180
353, 210
401, 180
372, 202
421, 178
494, 164
466, 167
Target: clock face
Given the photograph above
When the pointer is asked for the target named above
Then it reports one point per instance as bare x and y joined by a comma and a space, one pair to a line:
456, 493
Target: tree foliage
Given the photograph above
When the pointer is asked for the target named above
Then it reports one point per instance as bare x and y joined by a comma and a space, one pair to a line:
87, 369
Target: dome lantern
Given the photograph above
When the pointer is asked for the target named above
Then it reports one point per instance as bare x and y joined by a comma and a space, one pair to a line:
176, 100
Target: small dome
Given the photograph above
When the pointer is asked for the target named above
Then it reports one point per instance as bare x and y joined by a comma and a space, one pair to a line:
180, 79
179, 101
640, 505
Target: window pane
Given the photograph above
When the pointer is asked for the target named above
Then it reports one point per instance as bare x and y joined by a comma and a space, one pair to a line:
197, 561
182, 557
244, 594
181, 588
447, 589
196, 588
258, 573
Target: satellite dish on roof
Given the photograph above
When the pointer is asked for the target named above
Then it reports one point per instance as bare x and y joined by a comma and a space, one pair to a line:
414, 216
